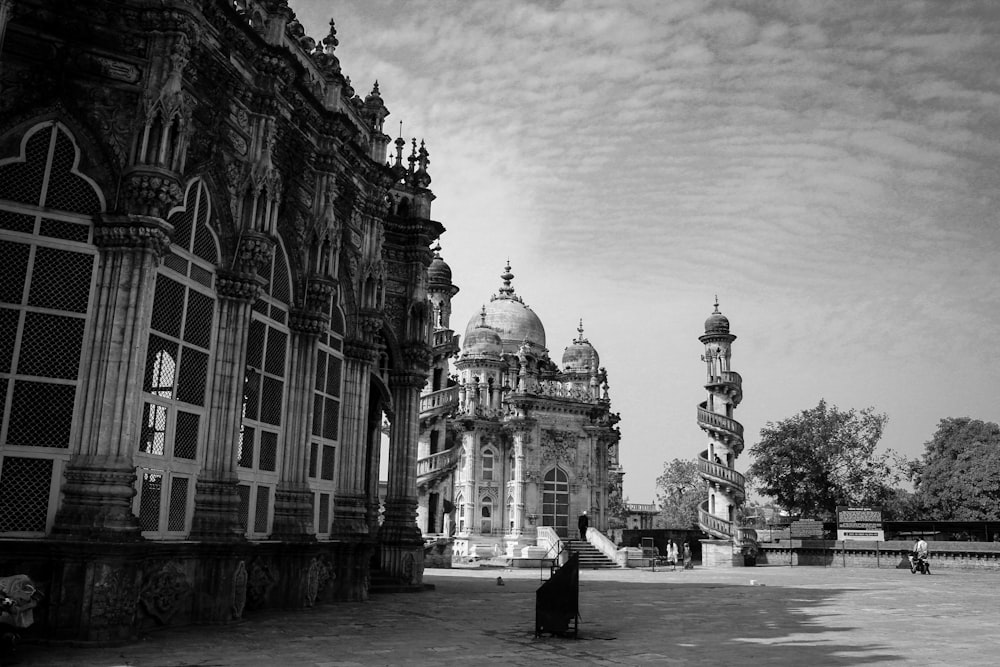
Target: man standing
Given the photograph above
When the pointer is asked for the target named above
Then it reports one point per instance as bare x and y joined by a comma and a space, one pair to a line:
583, 523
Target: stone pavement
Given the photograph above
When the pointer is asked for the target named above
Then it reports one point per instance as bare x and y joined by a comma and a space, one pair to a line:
793, 616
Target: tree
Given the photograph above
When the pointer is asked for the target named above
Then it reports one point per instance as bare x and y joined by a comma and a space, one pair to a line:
824, 457
958, 477
680, 490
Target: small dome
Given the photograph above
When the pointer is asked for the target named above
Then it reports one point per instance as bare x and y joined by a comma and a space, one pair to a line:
482, 341
717, 322
580, 357
438, 273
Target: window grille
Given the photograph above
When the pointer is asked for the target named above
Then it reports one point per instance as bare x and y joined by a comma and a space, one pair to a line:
16, 222
245, 454
329, 461
323, 524
65, 229
24, 494
313, 458
177, 517
21, 179
268, 450
243, 491
51, 346
13, 271
178, 360
186, 437
60, 280
46, 273
149, 499
262, 510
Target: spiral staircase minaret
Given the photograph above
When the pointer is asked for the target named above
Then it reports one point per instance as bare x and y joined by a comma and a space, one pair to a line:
716, 464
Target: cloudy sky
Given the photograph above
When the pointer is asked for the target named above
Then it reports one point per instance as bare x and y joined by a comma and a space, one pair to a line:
829, 169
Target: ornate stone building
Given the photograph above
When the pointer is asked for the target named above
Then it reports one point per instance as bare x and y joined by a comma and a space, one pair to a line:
213, 290
513, 441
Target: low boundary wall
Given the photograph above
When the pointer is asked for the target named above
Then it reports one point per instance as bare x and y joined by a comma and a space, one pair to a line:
886, 555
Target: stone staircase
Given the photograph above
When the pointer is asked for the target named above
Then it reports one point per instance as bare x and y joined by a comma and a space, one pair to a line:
590, 557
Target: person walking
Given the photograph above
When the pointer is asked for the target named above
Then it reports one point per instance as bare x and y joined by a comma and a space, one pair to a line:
672, 555
583, 523
688, 565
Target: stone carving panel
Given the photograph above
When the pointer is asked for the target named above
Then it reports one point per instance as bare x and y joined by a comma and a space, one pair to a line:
165, 592
239, 590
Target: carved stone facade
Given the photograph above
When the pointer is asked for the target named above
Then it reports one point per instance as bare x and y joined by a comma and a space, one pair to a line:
512, 442
214, 290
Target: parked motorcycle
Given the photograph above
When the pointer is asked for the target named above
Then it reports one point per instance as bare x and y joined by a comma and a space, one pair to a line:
919, 564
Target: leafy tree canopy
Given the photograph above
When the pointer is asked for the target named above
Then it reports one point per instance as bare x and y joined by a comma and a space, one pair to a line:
824, 457
679, 491
958, 477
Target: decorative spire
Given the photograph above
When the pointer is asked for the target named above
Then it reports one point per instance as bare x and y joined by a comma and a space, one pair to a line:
716, 311
482, 316
375, 90
413, 156
579, 330
507, 276
330, 42
437, 251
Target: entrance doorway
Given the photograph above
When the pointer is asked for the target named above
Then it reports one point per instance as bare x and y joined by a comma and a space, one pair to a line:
555, 501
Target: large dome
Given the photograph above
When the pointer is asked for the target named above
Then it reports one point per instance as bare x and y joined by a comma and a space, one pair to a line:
580, 357
508, 316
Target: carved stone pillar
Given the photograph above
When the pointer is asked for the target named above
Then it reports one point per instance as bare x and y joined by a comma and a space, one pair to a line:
400, 537
100, 476
351, 499
216, 501
518, 475
293, 500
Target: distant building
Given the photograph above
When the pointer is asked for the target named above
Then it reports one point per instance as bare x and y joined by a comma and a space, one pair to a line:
213, 289
513, 442
640, 516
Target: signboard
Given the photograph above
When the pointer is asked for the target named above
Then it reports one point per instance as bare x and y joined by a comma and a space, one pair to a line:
860, 523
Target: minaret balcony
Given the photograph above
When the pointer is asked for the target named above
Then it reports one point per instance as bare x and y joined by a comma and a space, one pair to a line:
709, 523
721, 474
444, 343
438, 402
722, 426
729, 383
435, 467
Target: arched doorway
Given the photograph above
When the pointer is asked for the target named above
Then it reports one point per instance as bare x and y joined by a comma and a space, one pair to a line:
555, 501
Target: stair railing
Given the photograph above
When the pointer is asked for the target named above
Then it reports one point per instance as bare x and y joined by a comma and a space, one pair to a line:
602, 543
548, 537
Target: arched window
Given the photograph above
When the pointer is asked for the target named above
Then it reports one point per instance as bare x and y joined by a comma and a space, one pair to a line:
261, 432
171, 445
326, 422
555, 501
47, 263
487, 465
486, 516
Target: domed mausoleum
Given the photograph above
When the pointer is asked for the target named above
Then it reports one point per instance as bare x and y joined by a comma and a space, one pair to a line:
514, 447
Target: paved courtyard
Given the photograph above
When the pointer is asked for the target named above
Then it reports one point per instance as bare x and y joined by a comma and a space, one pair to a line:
793, 616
